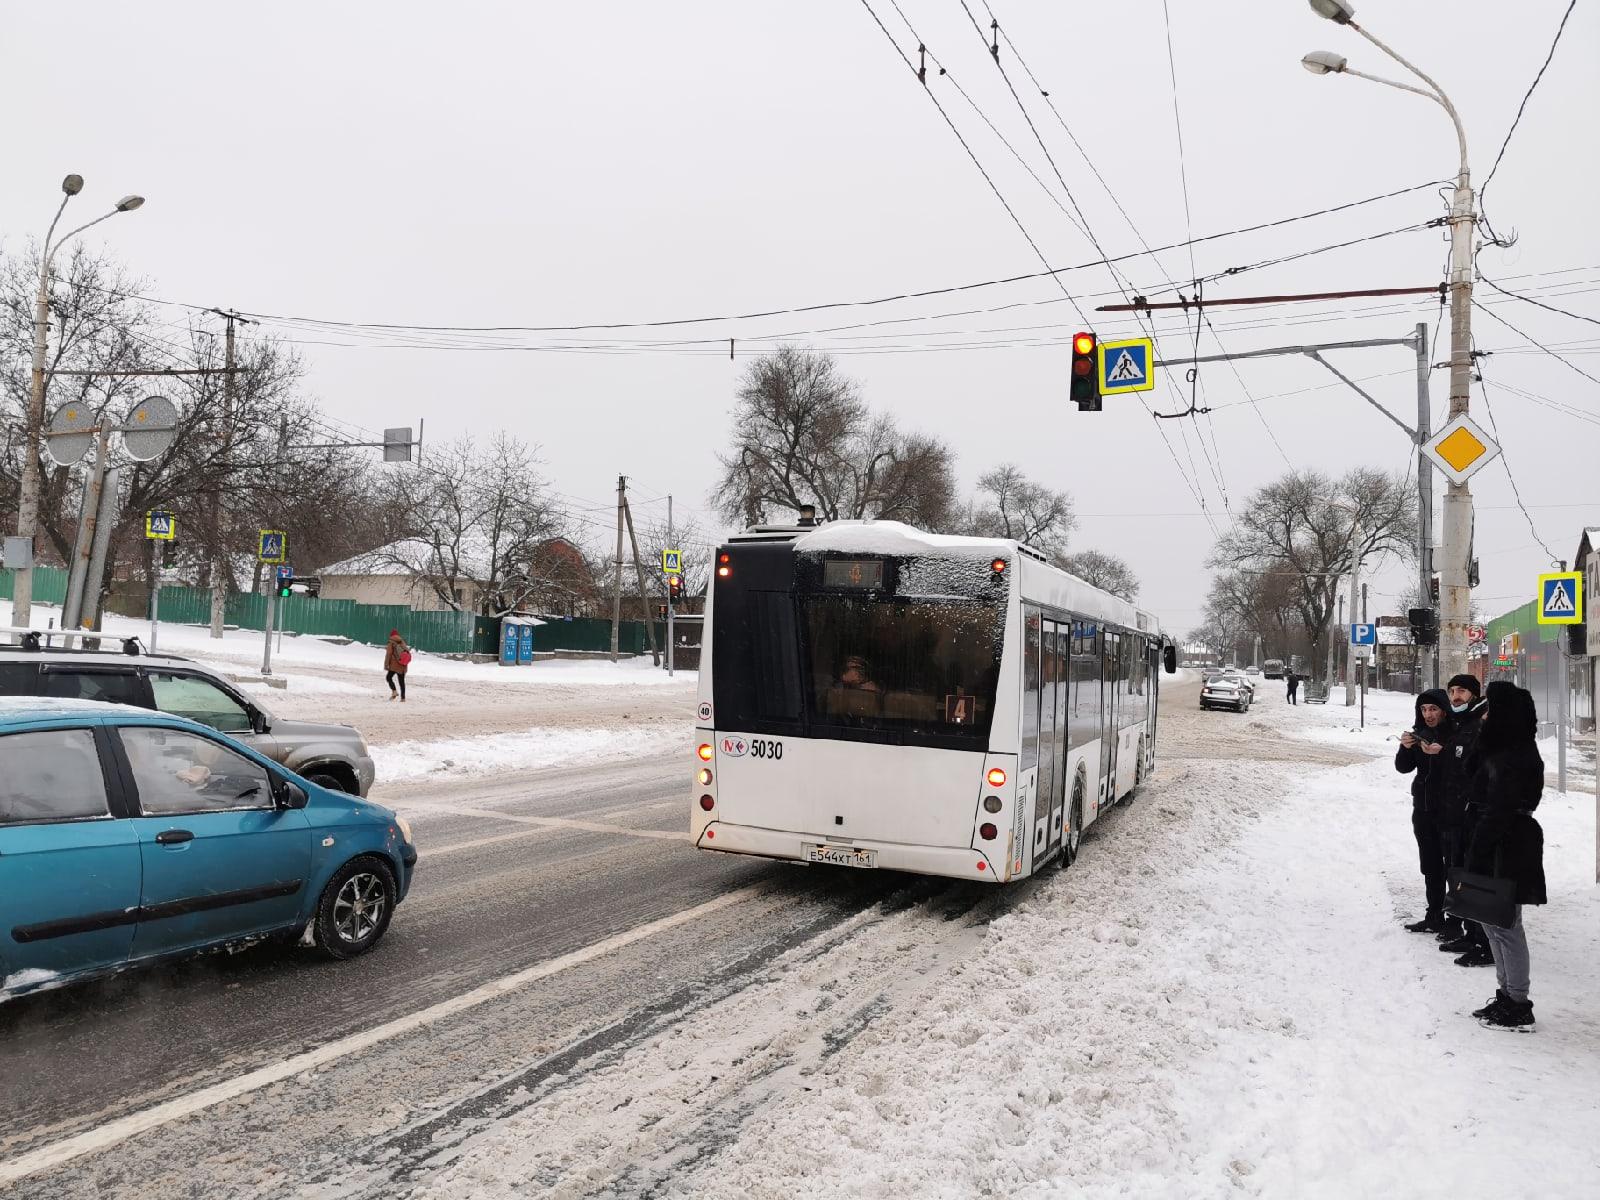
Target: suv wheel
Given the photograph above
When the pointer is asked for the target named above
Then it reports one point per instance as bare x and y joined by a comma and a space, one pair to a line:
355, 908
332, 782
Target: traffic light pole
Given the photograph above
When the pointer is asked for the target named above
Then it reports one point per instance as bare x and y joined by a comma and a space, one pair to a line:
266, 649
672, 603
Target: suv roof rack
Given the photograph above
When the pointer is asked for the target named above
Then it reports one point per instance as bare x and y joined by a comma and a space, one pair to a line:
39, 641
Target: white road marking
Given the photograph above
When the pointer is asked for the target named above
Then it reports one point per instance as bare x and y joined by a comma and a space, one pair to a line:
109, 1134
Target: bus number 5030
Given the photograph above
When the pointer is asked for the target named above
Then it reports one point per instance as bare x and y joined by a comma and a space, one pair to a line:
765, 749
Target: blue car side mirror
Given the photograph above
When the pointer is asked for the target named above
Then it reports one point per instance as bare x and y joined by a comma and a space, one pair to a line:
291, 795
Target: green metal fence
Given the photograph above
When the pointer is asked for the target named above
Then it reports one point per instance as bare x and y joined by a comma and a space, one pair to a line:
49, 585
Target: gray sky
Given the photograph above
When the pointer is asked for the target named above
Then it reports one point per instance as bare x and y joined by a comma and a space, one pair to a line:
522, 164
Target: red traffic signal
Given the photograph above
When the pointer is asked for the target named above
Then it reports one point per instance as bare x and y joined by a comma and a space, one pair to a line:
1085, 384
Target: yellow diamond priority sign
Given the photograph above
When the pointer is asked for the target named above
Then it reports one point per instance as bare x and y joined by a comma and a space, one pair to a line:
1460, 449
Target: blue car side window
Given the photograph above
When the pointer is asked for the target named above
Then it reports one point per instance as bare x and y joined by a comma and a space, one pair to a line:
50, 775
179, 772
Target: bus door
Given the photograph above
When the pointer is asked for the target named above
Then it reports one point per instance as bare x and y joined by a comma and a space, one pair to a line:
1052, 730
1152, 693
1110, 673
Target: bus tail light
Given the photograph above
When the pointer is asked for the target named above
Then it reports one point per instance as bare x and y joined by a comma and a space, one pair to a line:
705, 776
707, 803
704, 752
987, 832
996, 777
992, 804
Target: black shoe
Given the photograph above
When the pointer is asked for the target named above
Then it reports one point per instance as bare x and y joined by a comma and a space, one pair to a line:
1513, 1014
1478, 956
1431, 923
1450, 928
1500, 1001
1458, 945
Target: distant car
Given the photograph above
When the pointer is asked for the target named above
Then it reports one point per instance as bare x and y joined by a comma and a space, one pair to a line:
1252, 670
129, 837
1273, 668
332, 756
1227, 691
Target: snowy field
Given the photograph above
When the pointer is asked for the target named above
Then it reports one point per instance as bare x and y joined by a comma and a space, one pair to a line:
1217, 1000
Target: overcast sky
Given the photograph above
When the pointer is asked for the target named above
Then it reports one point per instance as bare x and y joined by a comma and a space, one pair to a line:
531, 164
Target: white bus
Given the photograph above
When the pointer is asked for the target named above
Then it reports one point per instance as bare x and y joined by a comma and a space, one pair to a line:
876, 696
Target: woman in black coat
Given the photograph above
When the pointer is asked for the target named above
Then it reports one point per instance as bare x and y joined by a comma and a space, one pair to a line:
1419, 756
1506, 841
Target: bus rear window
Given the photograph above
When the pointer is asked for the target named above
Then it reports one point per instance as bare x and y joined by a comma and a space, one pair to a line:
902, 666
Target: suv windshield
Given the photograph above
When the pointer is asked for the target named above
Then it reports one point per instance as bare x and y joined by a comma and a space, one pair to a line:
895, 663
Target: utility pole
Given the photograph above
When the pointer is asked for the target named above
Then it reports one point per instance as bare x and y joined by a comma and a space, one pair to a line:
1364, 661
1562, 701
644, 598
219, 557
1338, 626
1427, 665
1455, 596
616, 595
1352, 660
672, 606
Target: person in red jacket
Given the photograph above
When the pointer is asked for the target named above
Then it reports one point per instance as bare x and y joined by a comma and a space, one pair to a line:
396, 658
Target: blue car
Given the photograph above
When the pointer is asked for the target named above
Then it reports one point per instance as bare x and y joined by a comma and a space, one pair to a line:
129, 836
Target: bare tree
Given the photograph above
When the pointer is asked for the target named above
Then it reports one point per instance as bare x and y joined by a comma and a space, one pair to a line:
1010, 505
689, 538
476, 518
1313, 529
803, 435
1104, 571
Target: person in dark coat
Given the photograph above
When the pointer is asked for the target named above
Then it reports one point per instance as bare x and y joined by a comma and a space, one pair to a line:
1506, 841
1465, 939
1294, 687
1421, 756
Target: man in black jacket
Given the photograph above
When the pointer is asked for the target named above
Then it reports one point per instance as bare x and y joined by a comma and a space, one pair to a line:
1421, 755
1464, 939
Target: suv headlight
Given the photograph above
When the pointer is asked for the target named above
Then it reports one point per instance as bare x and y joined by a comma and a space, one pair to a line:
404, 826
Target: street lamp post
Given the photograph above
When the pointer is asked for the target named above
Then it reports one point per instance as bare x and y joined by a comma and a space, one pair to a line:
28, 500
1454, 593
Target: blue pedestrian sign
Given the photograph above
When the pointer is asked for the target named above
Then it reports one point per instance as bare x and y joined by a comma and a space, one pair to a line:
160, 525
1126, 366
672, 562
273, 546
1561, 598
1363, 635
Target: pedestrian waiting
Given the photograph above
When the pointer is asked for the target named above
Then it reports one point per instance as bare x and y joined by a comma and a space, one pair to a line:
1421, 755
1294, 687
1466, 940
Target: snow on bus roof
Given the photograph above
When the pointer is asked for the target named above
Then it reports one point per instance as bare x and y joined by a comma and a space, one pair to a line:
894, 537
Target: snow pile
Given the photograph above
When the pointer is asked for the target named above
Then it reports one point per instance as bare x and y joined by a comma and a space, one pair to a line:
528, 750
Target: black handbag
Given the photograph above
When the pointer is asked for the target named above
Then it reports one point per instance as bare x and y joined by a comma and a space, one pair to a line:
1481, 898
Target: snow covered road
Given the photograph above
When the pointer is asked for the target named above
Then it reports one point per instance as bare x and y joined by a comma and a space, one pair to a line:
1216, 1000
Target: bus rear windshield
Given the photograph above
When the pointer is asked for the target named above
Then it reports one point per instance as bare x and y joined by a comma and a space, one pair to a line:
908, 668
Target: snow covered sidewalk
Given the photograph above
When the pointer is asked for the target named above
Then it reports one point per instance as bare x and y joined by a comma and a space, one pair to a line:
1218, 999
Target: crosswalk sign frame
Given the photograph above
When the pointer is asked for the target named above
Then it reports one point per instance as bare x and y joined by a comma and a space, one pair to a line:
672, 562
1548, 587
165, 519
266, 542
1104, 366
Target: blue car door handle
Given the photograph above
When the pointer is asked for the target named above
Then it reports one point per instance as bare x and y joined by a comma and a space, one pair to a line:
170, 837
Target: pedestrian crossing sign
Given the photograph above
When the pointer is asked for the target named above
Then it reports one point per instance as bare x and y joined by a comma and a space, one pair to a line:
160, 526
672, 562
1561, 598
273, 546
1126, 366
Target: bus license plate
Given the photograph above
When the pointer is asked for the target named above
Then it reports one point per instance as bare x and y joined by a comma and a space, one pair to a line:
842, 856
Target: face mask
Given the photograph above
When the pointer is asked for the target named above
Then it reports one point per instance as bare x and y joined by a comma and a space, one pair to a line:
1458, 708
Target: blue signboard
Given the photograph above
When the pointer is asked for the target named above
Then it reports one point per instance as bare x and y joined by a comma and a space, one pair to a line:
508, 643
1363, 635
273, 546
1561, 598
525, 643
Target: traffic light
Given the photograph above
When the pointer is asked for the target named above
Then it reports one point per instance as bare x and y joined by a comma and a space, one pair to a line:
1433, 589
1424, 626
661, 612
285, 582
1085, 375
674, 589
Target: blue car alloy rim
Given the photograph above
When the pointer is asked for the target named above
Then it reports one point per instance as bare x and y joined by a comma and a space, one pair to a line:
359, 907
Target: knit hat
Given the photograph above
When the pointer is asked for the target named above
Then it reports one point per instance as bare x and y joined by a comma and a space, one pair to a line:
1470, 682
394, 633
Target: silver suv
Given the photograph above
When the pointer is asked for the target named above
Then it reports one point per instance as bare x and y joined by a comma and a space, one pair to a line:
332, 756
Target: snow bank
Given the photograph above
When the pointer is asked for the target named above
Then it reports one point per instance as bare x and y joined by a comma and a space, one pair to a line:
405, 762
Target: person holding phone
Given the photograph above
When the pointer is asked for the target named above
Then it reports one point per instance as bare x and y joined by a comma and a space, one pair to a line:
1420, 755
1465, 939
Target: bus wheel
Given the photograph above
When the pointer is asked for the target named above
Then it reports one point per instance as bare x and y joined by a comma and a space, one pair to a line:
1074, 837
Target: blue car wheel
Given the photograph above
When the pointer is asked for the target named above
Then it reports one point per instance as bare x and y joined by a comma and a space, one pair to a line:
355, 908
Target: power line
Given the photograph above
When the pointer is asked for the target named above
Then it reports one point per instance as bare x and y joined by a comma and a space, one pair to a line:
1534, 341
1537, 303
1528, 95
1516, 492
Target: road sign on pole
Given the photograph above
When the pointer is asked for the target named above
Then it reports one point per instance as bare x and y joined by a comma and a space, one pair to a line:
1460, 449
672, 562
1126, 366
273, 546
160, 525
1363, 635
1561, 598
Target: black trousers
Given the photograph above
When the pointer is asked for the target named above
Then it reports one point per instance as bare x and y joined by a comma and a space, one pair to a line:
1293, 692
390, 676
1431, 857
